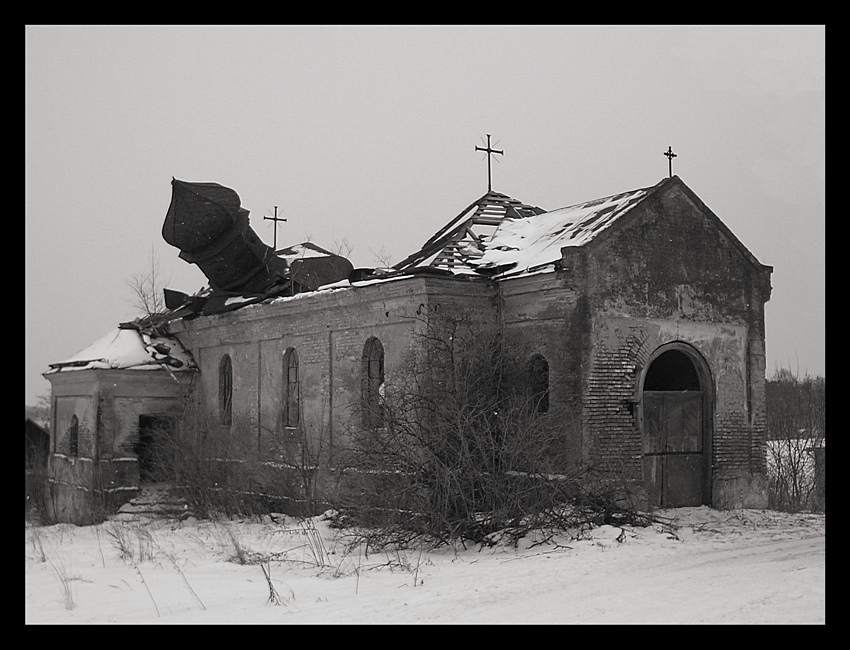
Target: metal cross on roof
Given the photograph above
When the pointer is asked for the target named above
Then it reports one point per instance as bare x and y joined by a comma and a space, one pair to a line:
670, 155
275, 218
490, 152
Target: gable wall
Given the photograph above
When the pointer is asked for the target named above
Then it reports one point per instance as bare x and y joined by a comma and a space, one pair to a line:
668, 273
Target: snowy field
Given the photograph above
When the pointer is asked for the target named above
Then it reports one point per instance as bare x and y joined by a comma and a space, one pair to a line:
706, 566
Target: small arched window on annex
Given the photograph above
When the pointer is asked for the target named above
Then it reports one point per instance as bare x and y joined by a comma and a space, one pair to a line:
291, 389
74, 437
372, 383
538, 376
225, 391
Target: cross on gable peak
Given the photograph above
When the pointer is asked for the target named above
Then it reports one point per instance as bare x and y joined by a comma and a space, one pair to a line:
489, 151
670, 155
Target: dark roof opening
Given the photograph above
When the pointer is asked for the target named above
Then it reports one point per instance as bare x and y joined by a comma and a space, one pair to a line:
673, 370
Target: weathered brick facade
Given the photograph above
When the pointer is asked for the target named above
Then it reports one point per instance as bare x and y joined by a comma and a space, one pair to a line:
667, 277
104, 472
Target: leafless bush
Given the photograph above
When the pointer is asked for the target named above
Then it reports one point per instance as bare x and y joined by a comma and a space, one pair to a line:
64, 579
34, 534
795, 424
464, 448
220, 470
35, 486
297, 462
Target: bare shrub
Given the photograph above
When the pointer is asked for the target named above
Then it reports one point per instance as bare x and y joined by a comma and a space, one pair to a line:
463, 448
220, 471
64, 578
795, 409
36, 486
133, 542
296, 466
35, 537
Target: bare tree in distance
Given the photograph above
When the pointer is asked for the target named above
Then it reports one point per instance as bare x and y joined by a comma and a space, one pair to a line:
382, 257
147, 286
796, 427
343, 248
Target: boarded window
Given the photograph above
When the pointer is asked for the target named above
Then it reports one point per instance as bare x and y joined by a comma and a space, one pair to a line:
74, 437
225, 391
373, 383
291, 393
539, 383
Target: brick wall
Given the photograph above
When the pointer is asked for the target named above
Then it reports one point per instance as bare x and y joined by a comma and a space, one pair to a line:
670, 272
328, 330
609, 407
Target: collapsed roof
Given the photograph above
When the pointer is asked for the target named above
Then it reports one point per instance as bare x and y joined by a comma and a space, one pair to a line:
495, 237
210, 227
129, 348
463, 239
498, 235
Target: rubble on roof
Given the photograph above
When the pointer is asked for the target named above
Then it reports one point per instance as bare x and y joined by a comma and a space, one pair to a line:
464, 237
132, 346
529, 243
498, 236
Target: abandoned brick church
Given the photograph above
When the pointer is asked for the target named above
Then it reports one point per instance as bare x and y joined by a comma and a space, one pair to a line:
642, 310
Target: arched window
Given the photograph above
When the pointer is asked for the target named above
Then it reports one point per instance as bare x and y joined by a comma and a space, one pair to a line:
373, 383
538, 370
225, 391
291, 406
672, 371
74, 437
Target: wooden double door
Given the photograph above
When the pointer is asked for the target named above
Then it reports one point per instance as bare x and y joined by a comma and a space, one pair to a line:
675, 457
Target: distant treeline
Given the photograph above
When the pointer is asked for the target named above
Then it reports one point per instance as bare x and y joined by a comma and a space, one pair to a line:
795, 407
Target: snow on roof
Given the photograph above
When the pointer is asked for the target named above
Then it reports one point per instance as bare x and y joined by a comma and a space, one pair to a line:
530, 242
498, 235
462, 238
301, 251
128, 349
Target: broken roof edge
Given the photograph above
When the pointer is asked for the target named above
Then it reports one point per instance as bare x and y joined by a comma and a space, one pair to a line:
128, 347
446, 234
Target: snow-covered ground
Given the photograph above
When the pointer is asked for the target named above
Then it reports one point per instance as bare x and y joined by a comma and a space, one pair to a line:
708, 566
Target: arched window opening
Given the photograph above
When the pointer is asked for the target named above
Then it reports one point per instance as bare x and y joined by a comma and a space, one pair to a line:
672, 371
291, 402
373, 383
539, 382
225, 391
74, 437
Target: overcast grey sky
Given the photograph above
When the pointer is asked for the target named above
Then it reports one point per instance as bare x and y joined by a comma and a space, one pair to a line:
365, 136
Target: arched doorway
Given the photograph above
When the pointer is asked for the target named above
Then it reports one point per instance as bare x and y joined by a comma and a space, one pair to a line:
676, 398
154, 448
